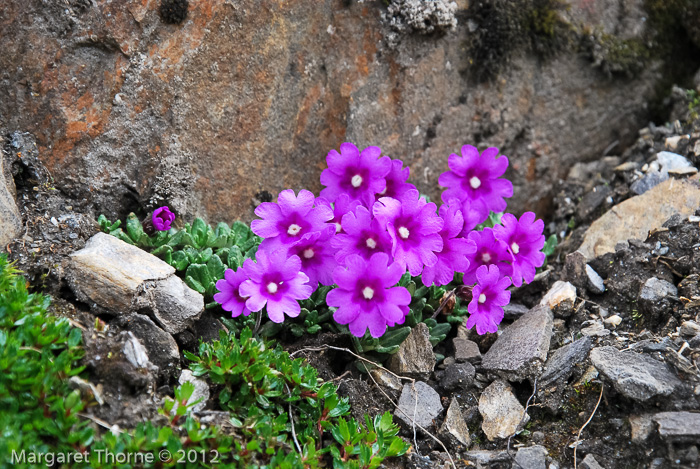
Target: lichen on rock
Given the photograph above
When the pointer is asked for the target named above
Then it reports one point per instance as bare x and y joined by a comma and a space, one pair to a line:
423, 17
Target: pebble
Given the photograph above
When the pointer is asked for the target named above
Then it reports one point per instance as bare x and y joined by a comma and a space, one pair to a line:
636, 376
532, 457
613, 320
454, 429
589, 462
458, 376
597, 329
501, 411
520, 351
595, 284
689, 329
415, 356
560, 299
655, 298
386, 379
200, 393
418, 402
679, 426
466, 350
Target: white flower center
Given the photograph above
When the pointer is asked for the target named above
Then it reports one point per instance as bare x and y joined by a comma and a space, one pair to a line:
368, 293
356, 181
272, 287
308, 253
293, 229
475, 182
383, 191
515, 248
482, 299
486, 258
338, 227
371, 243
403, 232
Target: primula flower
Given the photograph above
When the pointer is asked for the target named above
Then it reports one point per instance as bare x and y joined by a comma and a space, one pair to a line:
287, 221
364, 235
360, 175
453, 257
228, 296
525, 241
317, 256
489, 296
474, 178
340, 207
366, 297
162, 218
489, 251
414, 229
275, 280
396, 185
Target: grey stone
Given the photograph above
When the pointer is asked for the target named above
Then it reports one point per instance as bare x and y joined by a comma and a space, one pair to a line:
650, 180
591, 202
420, 403
136, 353
415, 356
595, 282
484, 458
454, 429
520, 352
679, 427
655, 299
560, 299
596, 329
114, 277
10, 218
200, 393
634, 375
466, 350
575, 269
589, 462
458, 376
689, 329
386, 379
672, 161
160, 346
649, 346
557, 370
641, 427
513, 311
531, 457
501, 412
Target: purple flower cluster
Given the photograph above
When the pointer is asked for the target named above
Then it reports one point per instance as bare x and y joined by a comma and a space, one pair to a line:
162, 218
370, 225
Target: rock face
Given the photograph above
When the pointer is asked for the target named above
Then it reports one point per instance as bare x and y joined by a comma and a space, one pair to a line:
10, 218
115, 277
420, 403
632, 218
415, 356
501, 411
520, 352
252, 94
634, 375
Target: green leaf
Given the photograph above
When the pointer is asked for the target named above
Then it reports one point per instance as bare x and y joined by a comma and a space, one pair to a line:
179, 260
394, 337
550, 245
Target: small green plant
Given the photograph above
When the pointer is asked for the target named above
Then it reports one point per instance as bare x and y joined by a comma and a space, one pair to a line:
278, 404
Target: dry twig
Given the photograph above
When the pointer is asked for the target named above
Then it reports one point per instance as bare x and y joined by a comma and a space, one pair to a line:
578, 437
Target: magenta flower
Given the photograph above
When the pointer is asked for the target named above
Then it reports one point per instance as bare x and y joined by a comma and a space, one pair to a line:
366, 297
276, 281
525, 241
162, 218
228, 296
340, 207
475, 178
489, 251
414, 229
360, 175
285, 222
317, 256
489, 296
396, 185
471, 217
364, 235
453, 257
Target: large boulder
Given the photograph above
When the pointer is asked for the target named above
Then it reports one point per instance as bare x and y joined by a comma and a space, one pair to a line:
129, 109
